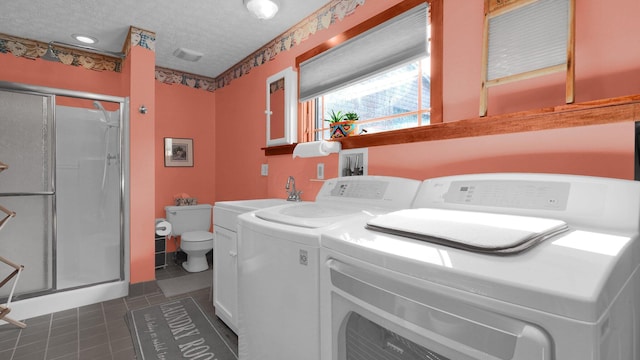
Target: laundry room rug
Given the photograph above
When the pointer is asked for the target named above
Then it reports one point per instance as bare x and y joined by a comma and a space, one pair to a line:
177, 329
186, 283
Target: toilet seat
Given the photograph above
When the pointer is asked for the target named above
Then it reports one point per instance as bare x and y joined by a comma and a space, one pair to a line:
195, 236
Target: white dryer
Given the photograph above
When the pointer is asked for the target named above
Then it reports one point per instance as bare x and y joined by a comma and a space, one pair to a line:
278, 263
573, 295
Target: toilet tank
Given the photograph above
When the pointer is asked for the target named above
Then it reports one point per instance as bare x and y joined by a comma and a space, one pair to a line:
189, 218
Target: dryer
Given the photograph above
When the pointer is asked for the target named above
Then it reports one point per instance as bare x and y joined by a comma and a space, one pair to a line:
278, 263
573, 295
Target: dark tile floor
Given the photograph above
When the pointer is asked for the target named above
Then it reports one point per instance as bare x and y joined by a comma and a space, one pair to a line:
98, 331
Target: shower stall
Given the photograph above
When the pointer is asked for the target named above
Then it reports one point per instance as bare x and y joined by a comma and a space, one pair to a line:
67, 157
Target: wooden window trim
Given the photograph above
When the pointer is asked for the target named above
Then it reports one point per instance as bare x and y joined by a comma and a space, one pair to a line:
605, 111
435, 17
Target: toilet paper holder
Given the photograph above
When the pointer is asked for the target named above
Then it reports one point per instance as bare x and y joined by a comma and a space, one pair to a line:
162, 227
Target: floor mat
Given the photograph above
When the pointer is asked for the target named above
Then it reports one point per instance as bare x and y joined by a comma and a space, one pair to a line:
187, 283
177, 329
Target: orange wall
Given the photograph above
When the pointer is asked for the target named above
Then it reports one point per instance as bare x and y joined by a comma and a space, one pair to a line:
140, 67
606, 66
183, 112
228, 126
57, 75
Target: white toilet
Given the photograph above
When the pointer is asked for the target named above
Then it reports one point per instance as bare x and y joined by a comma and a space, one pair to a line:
192, 223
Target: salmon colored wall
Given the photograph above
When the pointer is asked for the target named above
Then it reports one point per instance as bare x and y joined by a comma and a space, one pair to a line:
606, 66
244, 100
183, 112
140, 66
57, 75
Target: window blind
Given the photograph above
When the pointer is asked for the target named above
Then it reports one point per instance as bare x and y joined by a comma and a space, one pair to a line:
530, 38
392, 43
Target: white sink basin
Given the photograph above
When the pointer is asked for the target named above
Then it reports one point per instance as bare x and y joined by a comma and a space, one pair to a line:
250, 205
225, 213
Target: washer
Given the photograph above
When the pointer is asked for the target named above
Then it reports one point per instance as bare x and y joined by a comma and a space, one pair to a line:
571, 296
278, 263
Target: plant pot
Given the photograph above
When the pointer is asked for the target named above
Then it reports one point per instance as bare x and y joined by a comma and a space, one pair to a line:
343, 129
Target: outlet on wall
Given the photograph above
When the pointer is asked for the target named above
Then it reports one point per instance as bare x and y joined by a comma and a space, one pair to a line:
320, 171
264, 169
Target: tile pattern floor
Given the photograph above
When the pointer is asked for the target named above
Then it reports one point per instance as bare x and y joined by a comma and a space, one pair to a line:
98, 331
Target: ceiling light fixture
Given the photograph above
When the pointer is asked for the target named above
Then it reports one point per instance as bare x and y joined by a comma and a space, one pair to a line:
85, 38
262, 9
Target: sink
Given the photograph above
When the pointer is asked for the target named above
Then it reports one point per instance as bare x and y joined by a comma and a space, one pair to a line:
225, 213
309, 215
250, 205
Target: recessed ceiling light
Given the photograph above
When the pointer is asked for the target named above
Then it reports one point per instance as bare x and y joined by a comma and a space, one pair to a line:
85, 38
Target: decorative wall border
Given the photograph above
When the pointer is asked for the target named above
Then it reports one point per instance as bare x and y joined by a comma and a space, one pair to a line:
169, 76
32, 49
140, 37
322, 19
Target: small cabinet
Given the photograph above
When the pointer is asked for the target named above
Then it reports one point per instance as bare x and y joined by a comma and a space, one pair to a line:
225, 276
161, 251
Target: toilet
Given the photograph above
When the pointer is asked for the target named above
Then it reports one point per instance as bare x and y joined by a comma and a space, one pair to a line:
192, 223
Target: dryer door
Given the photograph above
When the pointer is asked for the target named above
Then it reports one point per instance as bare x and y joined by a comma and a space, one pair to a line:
381, 316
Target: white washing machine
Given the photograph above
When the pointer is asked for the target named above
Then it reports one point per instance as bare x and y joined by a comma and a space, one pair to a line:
278, 263
574, 294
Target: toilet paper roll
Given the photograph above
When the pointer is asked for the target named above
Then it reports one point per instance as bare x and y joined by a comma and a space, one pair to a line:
316, 148
163, 228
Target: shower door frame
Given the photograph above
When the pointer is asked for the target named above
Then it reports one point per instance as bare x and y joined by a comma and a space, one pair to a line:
123, 144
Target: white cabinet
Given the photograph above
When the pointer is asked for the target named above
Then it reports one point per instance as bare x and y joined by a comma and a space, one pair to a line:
225, 276
225, 255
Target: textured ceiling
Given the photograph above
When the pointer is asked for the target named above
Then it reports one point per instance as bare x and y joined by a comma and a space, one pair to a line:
222, 30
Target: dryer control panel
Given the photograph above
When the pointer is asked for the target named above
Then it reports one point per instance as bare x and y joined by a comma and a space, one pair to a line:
521, 194
379, 191
593, 202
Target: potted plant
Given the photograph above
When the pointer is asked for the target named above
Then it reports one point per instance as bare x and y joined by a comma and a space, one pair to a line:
335, 117
342, 124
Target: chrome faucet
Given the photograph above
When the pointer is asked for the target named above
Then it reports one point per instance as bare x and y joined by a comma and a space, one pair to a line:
291, 190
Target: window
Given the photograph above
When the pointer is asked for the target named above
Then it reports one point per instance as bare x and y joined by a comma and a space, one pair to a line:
388, 84
396, 99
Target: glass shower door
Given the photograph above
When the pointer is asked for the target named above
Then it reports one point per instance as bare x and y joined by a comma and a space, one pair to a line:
26, 187
88, 246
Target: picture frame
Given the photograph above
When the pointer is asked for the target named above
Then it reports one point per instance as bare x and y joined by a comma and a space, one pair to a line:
178, 152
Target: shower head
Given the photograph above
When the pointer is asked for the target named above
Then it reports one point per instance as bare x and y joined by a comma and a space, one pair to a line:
98, 105
50, 55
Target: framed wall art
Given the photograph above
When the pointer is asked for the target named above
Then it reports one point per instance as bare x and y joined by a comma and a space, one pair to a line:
178, 152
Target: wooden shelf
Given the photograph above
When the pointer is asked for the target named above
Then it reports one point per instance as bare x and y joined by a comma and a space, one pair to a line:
605, 111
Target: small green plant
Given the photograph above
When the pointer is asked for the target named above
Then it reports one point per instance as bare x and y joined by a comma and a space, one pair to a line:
335, 117
351, 116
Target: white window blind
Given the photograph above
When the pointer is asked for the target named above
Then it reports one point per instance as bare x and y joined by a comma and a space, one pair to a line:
529, 38
392, 43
